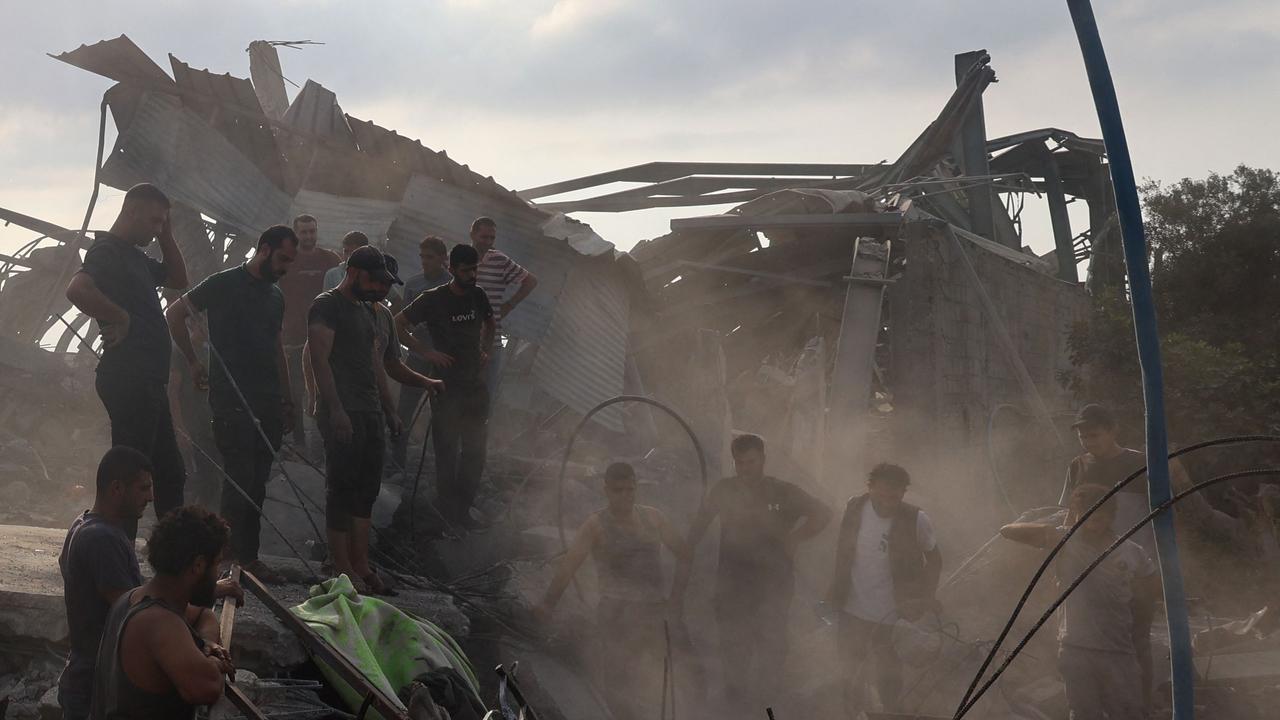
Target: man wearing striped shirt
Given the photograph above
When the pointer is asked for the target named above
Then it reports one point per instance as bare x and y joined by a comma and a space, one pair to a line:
496, 274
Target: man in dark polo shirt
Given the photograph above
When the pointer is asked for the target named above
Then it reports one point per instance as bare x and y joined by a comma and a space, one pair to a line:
117, 287
762, 521
245, 308
351, 380
461, 323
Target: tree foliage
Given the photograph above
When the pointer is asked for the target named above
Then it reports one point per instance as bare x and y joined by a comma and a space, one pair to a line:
1215, 269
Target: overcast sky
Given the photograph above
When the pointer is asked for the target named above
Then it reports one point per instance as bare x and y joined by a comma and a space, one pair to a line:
534, 91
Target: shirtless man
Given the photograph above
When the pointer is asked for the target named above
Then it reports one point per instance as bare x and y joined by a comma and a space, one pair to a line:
626, 541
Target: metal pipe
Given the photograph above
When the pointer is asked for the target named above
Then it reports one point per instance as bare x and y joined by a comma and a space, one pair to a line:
1129, 211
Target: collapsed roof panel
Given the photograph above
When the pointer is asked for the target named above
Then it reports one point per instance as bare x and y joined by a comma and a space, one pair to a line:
120, 60
231, 107
315, 111
173, 147
268, 78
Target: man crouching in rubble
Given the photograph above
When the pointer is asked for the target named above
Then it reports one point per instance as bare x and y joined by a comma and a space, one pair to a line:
1096, 654
98, 565
887, 567
152, 664
762, 522
626, 541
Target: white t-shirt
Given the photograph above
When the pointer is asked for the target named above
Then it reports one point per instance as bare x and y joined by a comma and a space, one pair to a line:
871, 597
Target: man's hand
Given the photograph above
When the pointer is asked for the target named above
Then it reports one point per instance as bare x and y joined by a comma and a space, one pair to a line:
114, 333
199, 376
340, 425
228, 588
394, 426
505, 309
437, 358
216, 652
166, 230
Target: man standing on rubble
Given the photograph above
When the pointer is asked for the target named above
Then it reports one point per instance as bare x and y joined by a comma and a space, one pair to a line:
763, 520
301, 286
351, 380
434, 258
245, 310
1097, 654
461, 324
626, 541
352, 240
496, 274
152, 662
117, 287
887, 567
99, 564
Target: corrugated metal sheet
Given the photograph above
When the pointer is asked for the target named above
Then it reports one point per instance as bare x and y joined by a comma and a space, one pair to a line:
231, 106
339, 215
171, 146
120, 60
315, 110
582, 358
432, 207
414, 157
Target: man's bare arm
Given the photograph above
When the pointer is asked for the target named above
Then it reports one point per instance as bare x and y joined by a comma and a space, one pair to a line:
174, 266
526, 286
579, 549
680, 549
83, 292
319, 346
1035, 534
816, 518
198, 678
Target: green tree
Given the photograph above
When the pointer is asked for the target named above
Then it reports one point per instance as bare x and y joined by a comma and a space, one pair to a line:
1215, 268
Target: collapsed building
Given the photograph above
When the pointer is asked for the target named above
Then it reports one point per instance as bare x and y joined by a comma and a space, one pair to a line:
849, 313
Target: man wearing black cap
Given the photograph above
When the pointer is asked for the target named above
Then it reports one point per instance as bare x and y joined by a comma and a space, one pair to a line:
353, 389
461, 323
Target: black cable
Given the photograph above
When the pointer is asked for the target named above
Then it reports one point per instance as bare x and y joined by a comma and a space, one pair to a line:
1044, 564
261, 513
1048, 613
568, 450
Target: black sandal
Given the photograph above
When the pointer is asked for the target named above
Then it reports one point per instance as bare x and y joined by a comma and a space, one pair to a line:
377, 586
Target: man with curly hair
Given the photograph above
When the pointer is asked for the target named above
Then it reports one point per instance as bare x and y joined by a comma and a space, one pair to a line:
152, 663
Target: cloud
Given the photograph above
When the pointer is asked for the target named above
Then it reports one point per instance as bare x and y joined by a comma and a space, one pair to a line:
570, 16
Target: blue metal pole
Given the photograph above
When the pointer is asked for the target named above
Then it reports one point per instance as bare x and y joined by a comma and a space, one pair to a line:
1144, 323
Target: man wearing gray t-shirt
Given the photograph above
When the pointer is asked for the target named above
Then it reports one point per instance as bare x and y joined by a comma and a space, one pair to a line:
1107, 614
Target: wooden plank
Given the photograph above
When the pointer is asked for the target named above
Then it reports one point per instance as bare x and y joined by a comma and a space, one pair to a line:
388, 708
227, 623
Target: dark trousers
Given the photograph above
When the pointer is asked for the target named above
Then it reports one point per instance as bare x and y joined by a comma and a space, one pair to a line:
353, 470
293, 356
459, 434
1101, 684
139, 414
247, 459
866, 651
410, 396
753, 643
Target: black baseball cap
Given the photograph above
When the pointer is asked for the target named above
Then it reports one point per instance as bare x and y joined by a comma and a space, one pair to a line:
371, 260
1094, 415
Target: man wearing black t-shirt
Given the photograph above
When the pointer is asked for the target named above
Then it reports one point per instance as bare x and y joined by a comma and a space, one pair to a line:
461, 323
116, 286
355, 402
762, 522
245, 309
